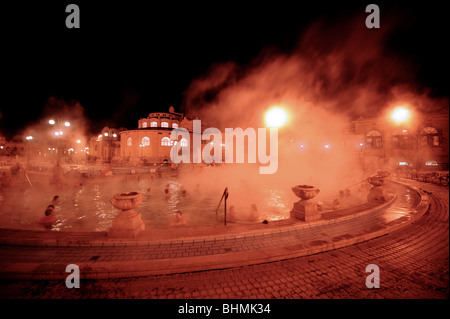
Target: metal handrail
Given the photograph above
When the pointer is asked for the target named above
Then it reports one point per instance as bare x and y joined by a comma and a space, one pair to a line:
224, 195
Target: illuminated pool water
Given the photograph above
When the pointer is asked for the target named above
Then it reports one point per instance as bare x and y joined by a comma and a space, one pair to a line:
86, 207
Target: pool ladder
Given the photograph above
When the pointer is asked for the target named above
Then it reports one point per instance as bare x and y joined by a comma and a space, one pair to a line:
224, 195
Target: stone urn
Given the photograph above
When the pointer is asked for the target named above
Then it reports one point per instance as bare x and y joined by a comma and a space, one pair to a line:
305, 209
378, 192
305, 192
128, 223
376, 181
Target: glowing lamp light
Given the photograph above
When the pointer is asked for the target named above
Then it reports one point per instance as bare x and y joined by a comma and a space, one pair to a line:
400, 114
51, 122
106, 134
403, 163
78, 141
302, 146
29, 137
276, 117
114, 135
67, 124
326, 146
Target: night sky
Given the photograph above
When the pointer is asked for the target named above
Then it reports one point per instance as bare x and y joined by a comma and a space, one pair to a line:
130, 59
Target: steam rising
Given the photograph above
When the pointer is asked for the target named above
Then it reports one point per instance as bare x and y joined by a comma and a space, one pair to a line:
335, 74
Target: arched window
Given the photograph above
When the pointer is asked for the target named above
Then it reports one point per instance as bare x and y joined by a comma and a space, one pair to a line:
144, 124
429, 137
183, 142
174, 125
164, 124
145, 141
165, 141
129, 141
374, 139
401, 139
153, 124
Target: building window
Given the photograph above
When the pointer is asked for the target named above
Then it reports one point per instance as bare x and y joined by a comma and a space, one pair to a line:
374, 139
144, 125
165, 141
164, 124
401, 139
145, 141
429, 136
174, 125
129, 141
183, 142
153, 124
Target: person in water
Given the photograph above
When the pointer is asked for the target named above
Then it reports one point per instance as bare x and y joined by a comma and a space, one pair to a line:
56, 200
48, 220
178, 219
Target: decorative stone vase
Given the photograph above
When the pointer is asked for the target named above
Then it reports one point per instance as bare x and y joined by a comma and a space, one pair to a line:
305, 192
378, 192
376, 181
128, 223
305, 209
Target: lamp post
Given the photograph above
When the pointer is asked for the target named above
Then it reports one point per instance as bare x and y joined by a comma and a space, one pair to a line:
29, 138
109, 138
58, 133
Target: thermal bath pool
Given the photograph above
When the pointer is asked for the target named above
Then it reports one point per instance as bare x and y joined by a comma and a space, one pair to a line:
86, 207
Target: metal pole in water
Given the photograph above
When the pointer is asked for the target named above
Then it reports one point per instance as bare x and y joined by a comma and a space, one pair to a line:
225, 193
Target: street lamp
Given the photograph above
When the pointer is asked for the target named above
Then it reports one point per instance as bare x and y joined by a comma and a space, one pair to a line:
29, 138
58, 134
400, 114
276, 117
109, 137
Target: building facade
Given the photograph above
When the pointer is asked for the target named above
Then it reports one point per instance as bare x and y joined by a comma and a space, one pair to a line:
151, 142
12, 148
423, 144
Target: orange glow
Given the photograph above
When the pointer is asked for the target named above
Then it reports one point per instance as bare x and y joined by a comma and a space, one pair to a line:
400, 114
276, 117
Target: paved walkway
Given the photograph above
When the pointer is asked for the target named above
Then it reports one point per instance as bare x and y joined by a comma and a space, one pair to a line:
411, 251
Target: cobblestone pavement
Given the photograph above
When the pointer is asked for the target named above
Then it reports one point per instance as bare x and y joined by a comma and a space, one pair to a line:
413, 263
